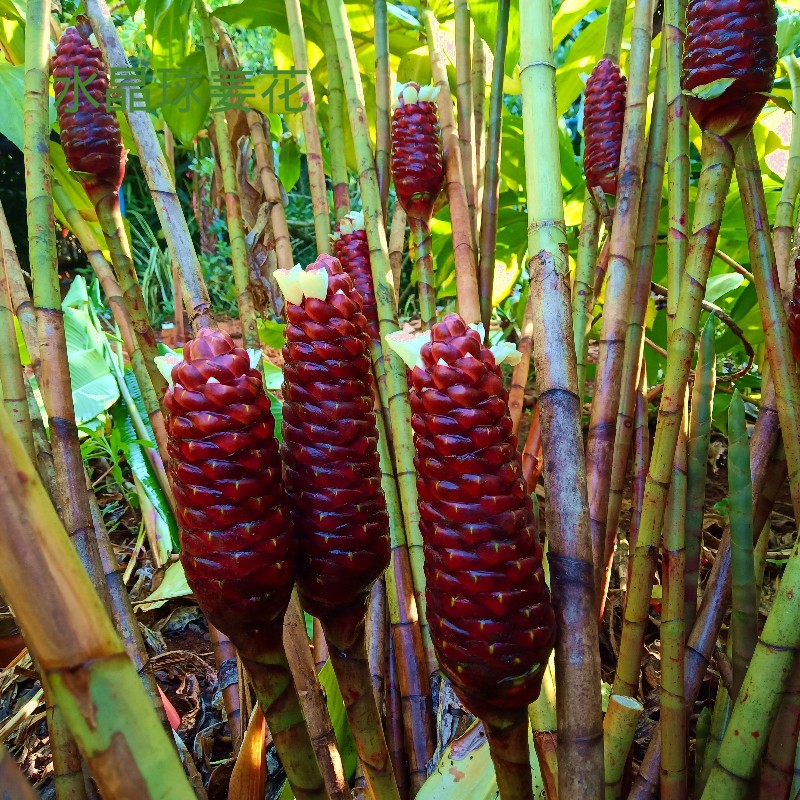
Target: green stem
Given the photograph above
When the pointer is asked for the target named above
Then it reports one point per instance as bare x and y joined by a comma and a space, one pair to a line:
619, 728
615, 25
233, 207
719, 724
466, 118
348, 654
702, 733
699, 439
673, 710
619, 289
717, 168
508, 746
383, 103
479, 107
580, 736
316, 167
422, 252
744, 613
384, 363
491, 175
263, 655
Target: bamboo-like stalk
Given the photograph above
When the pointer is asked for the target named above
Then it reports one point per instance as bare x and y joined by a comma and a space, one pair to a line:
383, 104
397, 237
422, 253
348, 654
412, 667
510, 752
778, 768
177, 289
744, 613
233, 206
69, 780
633, 356
583, 285
12, 380
316, 168
387, 366
336, 119
12, 780
532, 457
519, 377
55, 382
319, 645
784, 211
466, 117
580, 749
619, 288
702, 733
463, 244
312, 700
394, 726
641, 463
491, 173
714, 181
377, 630
705, 377
546, 745
674, 32
619, 726
719, 724
259, 133
479, 113
674, 723
119, 309
228, 678
68, 631
159, 179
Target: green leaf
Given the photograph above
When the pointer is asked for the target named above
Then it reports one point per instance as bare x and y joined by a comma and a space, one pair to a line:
720, 285
570, 13
270, 333
484, 15
11, 96
276, 407
788, 35
708, 91
780, 101
186, 98
254, 14
289, 163
168, 32
173, 585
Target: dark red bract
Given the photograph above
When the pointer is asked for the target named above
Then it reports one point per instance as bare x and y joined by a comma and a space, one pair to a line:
730, 40
238, 550
90, 134
333, 477
417, 168
489, 608
603, 118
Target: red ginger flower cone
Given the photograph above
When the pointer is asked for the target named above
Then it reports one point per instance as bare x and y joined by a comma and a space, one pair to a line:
729, 61
333, 477
794, 314
417, 168
603, 118
352, 249
90, 133
238, 551
488, 605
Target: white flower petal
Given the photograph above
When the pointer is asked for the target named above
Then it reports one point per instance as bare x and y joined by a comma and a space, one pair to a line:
315, 283
408, 345
506, 351
289, 281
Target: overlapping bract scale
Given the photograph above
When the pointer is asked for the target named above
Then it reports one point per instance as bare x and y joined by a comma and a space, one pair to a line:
238, 550
730, 40
352, 250
90, 133
333, 476
603, 118
417, 168
489, 608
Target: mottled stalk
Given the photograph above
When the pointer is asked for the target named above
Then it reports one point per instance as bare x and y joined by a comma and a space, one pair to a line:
508, 746
619, 726
702, 732
422, 253
619, 289
55, 382
784, 211
68, 631
580, 743
316, 168
158, 176
383, 105
466, 118
259, 133
633, 357
340, 180
463, 243
397, 238
674, 723
385, 364
228, 677
719, 724
705, 376
519, 377
491, 172
394, 727
347, 648
532, 460
233, 205
714, 181
641, 463
479, 112
744, 613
